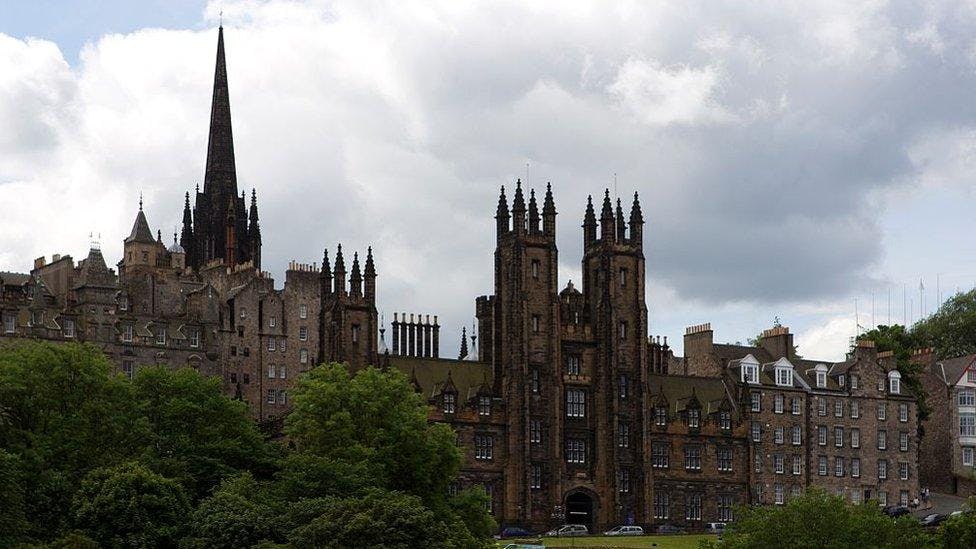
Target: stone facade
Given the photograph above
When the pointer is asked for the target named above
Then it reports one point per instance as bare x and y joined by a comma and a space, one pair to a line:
946, 455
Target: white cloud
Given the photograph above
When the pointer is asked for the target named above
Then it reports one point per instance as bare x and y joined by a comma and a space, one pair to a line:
829, 340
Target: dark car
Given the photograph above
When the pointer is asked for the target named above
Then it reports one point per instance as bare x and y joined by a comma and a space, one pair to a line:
515, 532
669, 529
895, 511
933, 520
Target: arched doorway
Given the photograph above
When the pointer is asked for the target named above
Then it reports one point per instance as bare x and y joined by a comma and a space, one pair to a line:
579, 509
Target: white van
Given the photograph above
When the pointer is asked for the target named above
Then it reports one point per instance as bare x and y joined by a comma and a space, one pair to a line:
625, 531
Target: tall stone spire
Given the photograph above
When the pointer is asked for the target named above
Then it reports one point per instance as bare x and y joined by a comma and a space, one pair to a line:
221, 174
549, 213
589, 222
186, 236
621, 226
254, 231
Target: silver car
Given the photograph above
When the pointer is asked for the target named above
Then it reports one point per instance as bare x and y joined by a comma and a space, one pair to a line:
569, 530
625, 531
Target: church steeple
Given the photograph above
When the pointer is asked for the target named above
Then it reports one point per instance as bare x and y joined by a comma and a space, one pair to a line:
221, 174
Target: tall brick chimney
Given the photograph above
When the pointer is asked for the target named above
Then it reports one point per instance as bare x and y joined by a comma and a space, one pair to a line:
777, 341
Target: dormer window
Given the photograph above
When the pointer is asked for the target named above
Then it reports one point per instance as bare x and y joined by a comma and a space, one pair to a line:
484, 406
855, 381
821, 376
894, 382
660, 416
724, 420
784, 377
694, 418
69, 328
840, 380
750, 373
161, 336
450, 403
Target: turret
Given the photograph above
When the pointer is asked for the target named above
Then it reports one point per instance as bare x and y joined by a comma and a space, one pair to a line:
549, 213
518, 209
636, 223
501, 214
356, 278
533, 213
325, 276
254, 231
606, 219
621, 225
340, 272
589, 223
177, 255
186, 236
369, 274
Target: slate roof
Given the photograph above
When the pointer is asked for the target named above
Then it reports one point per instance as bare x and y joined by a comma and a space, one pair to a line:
678, 389
140, 230
14, 279
431, 374
954, 368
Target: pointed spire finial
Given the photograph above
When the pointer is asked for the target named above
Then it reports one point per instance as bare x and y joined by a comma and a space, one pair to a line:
140, 201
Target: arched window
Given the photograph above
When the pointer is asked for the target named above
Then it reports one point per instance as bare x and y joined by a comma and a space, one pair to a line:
894, 382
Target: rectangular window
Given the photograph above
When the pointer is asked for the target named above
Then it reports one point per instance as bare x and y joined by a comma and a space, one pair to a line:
903, 498
490, 504
355, 333
69, 328
576, 450
967, 397
882, 410
855, 437
573, 365
303, 311
272, 395
662, 504
756, 401
855, 467
623, 386
281, 396
967, 456
779, 464
272, 321
855, 410
484, 406
623, 481
536, 477
535, 431
303, 333
623, 435
822, 407
659, 455
534, 381
272, 373
839, 467
854, 381
575, 403
822, 465
778, 494
756, 431
535, 324
750, 373
778, 435
903, 412
127, 368
839, 437
971, 376
757, 462
724, 420
271, 344
535, 269
882, 469
450, 403
822, 435
161, 335
724, 455
797, 465
693, 507
194, 338
838, 408
623, 330
281, 344
660, 416
882, 439
623, 277
903, 470
903, 441
797, 435
883, 498
484, 447
725, 508
784, 377
281, 371
778, 404
303, 356
694, 418
795, 404
693, 457
967, 424
9, 324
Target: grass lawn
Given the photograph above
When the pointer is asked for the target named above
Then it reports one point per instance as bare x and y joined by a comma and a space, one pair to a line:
663, 542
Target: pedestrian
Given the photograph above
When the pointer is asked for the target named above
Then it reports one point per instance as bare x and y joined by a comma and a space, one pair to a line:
915, 503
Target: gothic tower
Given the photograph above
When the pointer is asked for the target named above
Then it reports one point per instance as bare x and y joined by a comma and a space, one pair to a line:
212, 208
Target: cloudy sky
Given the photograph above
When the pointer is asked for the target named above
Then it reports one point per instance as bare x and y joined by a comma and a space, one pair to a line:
792, 157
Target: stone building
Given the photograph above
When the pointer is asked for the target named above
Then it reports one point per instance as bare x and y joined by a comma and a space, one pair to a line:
565, 409
946, 453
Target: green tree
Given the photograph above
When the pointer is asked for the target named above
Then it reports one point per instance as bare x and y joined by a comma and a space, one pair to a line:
374, 418
951, 330
63, 415
131, 506
901, 342
959, 532
818, 520
234, 516
197, 434
13, 521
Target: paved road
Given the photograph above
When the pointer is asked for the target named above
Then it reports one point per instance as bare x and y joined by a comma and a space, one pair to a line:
941, 503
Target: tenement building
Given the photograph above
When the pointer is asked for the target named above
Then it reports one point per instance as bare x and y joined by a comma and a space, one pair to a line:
946, 456
565, 410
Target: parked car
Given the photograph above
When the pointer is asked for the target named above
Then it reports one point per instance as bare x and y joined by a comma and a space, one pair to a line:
569, 530
895, 511
715, 527
933, 520
523, 546
669, 529
514, 532
625, 531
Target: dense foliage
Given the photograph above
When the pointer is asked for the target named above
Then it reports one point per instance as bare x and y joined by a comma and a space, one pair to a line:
91, 459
